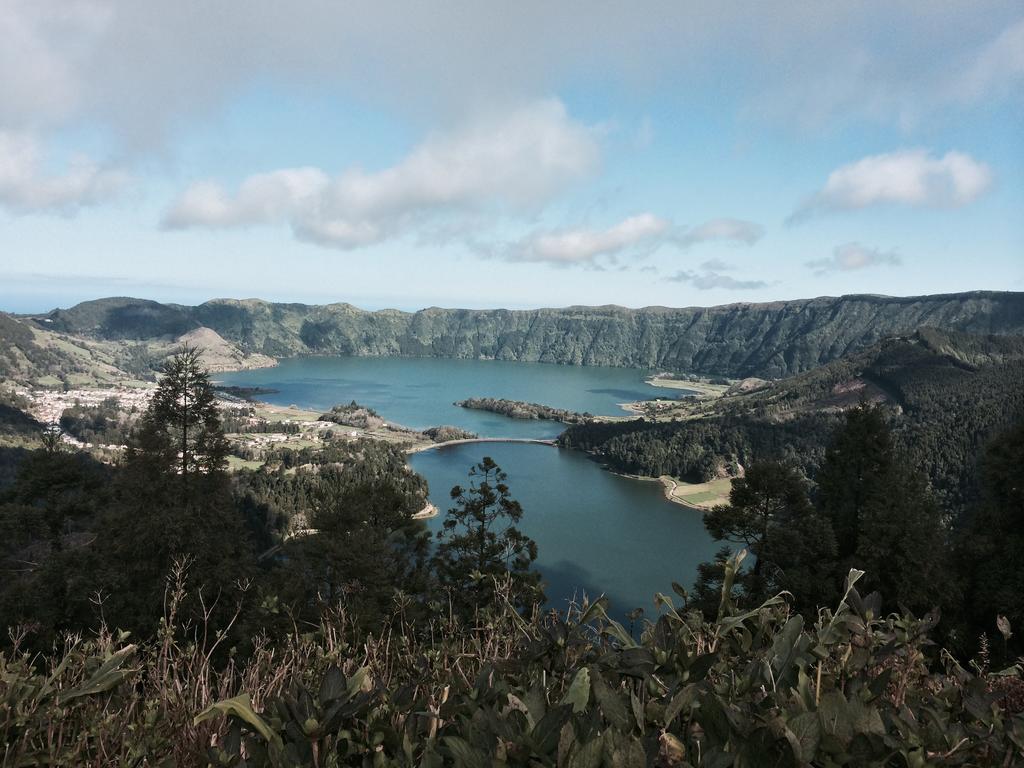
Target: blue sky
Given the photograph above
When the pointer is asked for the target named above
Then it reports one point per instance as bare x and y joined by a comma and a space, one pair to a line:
518, 155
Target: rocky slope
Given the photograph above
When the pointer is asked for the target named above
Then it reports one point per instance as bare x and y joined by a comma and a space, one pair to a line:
737, 340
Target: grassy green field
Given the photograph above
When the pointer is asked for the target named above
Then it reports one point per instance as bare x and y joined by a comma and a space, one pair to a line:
700, 495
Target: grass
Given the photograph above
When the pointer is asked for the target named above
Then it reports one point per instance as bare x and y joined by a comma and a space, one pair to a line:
280, 412
235, 463
700, 495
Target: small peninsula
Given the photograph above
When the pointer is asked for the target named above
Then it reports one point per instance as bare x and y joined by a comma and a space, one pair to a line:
517, 409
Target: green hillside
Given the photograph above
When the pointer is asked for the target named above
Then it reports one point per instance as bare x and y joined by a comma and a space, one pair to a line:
948, 393
738, 340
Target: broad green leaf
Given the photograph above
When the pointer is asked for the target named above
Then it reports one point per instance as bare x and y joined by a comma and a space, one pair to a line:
241, 707
578, 694
332, 687
612, 704
586, 755
108, 676
804, 734
681, 700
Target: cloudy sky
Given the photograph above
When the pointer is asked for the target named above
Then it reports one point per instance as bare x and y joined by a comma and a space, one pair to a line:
508, 154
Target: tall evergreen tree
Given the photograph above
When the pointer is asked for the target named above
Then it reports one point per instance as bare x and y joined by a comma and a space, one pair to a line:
479, 543
885, 520
991, 548
857, 463
182, 425
362, 546
174, 501
793, 546
46, 520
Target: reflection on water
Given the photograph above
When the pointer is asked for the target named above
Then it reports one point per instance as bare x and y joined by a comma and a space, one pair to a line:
596, 532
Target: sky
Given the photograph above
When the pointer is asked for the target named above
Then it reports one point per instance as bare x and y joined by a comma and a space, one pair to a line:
495, 154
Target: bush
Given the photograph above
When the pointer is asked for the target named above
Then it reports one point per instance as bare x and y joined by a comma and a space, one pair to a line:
750, 688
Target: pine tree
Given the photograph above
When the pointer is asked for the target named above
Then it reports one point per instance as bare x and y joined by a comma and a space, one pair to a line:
885, 519
991, 550
182, 424
479, 543
174, 501
857, 462
793, 546
362, 545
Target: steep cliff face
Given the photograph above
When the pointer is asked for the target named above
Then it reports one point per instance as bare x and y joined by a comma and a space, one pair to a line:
768, 340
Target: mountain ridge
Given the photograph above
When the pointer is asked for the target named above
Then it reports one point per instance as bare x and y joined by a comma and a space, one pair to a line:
771, 339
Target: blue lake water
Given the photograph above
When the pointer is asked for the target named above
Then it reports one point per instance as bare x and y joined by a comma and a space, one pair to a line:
420, 392
596, 532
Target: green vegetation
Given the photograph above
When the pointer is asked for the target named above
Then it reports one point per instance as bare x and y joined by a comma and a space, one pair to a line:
243, 393
353, 415
736, 341
793, 545
479, 543
99, 424
14, 419
748, 687
517, 409
942, 409
701, 450
444, 434
162, 611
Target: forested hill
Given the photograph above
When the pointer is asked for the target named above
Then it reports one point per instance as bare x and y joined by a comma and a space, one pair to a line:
948, 394
769, 340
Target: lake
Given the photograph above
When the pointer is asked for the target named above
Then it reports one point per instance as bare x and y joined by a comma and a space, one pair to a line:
420, 392
596, 531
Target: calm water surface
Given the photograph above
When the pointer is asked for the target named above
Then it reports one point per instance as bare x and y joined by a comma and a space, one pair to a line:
595, 531
420, 392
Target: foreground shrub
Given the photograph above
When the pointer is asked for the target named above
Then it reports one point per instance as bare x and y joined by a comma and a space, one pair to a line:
758, 687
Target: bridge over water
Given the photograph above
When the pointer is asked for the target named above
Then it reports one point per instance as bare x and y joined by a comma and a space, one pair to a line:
434, 446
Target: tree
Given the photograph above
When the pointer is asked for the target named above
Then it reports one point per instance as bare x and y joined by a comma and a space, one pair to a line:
770, 513
173, 501
182, 425
857, 463
480, 544
991, 549
885, 519
361, 547
46, 529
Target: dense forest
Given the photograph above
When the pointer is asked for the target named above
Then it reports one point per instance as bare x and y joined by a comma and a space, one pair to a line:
945, 395
163, 611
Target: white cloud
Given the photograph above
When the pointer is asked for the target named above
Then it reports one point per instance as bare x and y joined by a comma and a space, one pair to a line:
45, 48
710, 280
996, 69
143, 65
585, 246
264, 198
516, 162
854, 256
26, 188
717, 265
907, 177
711, 277
636, 237
736, 230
